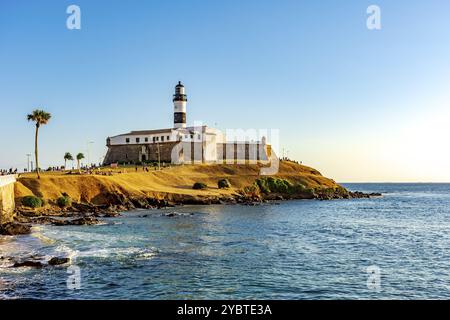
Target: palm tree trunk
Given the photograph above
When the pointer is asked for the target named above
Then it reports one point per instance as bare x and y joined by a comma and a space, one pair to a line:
36, 150
65, 164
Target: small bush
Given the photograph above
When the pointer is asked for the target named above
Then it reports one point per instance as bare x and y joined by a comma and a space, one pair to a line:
64, 201
301, 189
223, 184
252, 190
32, 202
277, 185
268, 185
199, 185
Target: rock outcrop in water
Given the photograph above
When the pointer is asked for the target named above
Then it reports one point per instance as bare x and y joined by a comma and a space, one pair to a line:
14, 228
28, 263
56, 261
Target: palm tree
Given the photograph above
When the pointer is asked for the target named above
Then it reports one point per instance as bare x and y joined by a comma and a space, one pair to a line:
67, 157
40, 117
80, 156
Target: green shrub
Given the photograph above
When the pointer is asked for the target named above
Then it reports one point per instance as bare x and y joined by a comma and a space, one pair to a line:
64, 201
32, 202
270, 184
199, 185
301, 189
223, 184
277, 185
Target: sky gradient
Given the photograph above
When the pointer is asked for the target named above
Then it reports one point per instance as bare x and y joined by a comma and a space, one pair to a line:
358, 105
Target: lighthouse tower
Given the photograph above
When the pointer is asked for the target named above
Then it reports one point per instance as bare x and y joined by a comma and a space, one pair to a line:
179, 106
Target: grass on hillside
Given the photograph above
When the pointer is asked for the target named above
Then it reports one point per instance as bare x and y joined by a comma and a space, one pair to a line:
171, 180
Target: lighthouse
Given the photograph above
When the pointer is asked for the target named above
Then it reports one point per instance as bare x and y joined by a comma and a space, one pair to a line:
179, 106
180, 144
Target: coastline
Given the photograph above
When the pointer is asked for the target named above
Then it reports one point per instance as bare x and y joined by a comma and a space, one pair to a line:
94, 197
194, 238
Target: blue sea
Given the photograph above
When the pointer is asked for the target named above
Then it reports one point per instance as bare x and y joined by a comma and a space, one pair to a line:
394, 247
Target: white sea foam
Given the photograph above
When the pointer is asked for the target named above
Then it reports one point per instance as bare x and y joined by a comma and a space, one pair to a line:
114, 252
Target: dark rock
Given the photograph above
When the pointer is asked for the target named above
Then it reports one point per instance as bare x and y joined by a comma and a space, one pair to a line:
56, 261
130, 206
28, 263
251, 203
42, 220
83, 207
358, 195
140, 203
375, 194
84, 221
12, 229
77, 222
21, 218
159, 203
362, 195
109, 212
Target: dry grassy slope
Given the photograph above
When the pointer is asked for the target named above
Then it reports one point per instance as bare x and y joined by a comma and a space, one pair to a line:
174, 181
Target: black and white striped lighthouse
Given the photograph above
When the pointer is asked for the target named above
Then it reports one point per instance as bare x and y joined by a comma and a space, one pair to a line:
179, 106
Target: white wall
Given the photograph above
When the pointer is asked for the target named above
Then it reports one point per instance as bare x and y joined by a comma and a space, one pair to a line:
5, 180
123, 139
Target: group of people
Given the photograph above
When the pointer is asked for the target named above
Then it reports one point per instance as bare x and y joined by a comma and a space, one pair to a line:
91, 170
55, 169
290, 160
145, 169
7, 172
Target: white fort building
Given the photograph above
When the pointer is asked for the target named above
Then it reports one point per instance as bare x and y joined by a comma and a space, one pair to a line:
182, 144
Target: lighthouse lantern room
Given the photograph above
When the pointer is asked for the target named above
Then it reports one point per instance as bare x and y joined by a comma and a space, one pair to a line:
179, 106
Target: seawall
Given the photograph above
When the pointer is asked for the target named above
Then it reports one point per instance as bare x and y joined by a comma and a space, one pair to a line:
7, 203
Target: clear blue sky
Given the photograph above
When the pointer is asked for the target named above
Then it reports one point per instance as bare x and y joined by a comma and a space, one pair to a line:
358, 105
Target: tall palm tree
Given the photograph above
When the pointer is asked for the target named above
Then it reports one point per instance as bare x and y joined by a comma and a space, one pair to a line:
67, 157
40, 117
80, 157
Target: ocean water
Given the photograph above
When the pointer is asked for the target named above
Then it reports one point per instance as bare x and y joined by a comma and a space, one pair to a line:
395, 247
